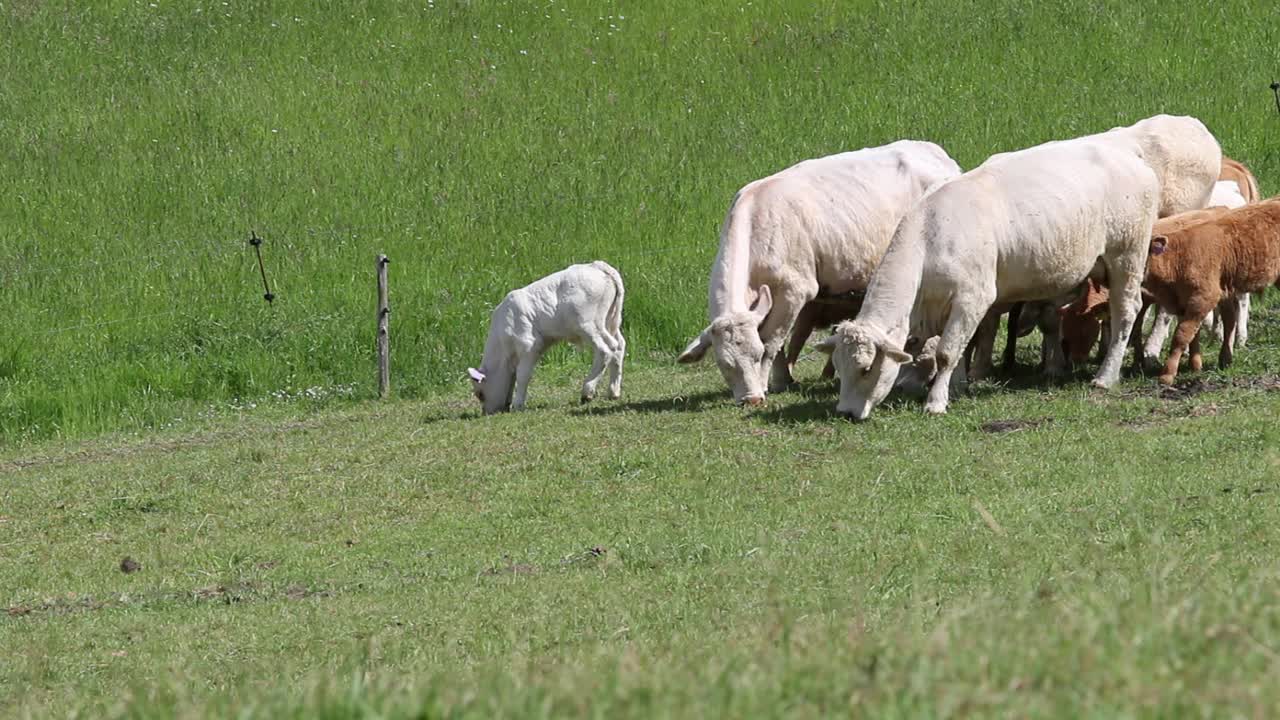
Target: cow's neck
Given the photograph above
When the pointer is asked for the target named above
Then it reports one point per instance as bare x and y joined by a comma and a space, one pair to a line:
730, 287
895, 284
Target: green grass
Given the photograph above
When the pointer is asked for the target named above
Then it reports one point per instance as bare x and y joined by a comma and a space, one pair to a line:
307, 554
483, 145
665, 555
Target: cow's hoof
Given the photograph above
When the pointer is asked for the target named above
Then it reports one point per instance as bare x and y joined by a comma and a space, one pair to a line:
1165, 379
585, 399
935, 408
1197, 363
1102, 384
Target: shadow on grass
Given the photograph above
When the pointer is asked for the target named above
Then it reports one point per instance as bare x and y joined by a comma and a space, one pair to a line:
674, 403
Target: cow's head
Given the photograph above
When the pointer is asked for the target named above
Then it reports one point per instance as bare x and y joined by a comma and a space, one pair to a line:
734, 339
1081, 321
867, 363
486, 388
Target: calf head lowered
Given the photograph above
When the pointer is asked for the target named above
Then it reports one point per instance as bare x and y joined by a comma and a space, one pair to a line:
867, 363
734, 339
492, 390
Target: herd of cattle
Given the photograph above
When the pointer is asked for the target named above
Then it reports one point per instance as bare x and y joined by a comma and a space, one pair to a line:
915, 262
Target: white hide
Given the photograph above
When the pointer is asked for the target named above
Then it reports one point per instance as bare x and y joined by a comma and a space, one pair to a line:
820, 224
581, 304
1225, 193
1027, 225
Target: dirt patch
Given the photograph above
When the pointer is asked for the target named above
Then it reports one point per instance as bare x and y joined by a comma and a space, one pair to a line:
129, 566
1188, 389
300, 592
1004, 426
1247, 493
1262, 382
588, 556
1166, 413
217, 593
509, 568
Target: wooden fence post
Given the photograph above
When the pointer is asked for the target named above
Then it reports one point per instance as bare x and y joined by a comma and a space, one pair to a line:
384, 338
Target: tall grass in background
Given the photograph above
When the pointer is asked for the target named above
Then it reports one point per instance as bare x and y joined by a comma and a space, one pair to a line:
481, 145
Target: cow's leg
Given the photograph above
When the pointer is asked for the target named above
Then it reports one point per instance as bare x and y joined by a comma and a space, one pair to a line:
1053, 357
1101, 350
1010, 359
979, 349
1196, 357
1188, 327
1160, 328
1229, 311
602, 355
773, 333
615, 366
1139, 363
961, 325
527, 359
1125, 291
800, 333
1242, 320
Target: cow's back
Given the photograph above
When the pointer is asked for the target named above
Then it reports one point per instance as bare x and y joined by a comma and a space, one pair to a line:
1039, 218
834, 216
1184, 155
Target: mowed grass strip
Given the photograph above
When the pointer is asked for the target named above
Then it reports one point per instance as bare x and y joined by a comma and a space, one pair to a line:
1044, 549
481, 146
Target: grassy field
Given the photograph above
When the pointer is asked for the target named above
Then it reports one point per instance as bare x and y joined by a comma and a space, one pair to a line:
1043, 551
482, 145
295, 551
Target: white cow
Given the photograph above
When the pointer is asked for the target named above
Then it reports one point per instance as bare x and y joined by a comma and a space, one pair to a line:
1027, 225
820, 225
581, 304
1228, 194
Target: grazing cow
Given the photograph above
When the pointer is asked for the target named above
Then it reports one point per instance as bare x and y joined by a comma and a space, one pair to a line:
1081, 320
1231, 194
1192, 269
1026, 225
581, 304
822, 223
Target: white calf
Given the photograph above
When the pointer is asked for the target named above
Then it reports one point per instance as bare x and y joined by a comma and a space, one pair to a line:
581, 304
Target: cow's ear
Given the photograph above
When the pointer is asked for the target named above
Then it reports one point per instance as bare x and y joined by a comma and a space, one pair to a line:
894, 353
828, 344
696, 348
763, 304
475, 374
1159, 244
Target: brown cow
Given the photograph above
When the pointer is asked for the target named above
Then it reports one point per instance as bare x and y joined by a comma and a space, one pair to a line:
1190, 271
1082, 319
1236, 171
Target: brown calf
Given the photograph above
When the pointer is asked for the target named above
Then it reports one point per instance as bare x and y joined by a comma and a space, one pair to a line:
1082, 319
1191, 270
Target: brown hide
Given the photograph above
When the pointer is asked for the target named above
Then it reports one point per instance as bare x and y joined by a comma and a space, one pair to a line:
1236, 171
1190, 270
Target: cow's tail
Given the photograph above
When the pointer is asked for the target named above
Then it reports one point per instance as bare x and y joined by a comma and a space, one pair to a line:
1253, 193
613, 319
